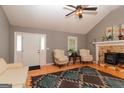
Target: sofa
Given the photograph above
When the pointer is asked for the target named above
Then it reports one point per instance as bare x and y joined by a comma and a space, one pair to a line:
14, 74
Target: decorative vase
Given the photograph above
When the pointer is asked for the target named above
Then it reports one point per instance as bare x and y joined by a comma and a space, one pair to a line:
121, 37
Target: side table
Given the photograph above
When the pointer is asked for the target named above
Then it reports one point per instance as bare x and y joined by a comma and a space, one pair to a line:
74, 58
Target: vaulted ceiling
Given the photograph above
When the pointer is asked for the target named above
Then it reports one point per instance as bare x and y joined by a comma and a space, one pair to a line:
52, 17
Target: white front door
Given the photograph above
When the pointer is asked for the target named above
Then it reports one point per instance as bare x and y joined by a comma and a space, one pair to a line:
43, 49
33, 50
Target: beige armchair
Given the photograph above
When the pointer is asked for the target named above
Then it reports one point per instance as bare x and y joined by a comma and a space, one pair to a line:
60, 58
85, 55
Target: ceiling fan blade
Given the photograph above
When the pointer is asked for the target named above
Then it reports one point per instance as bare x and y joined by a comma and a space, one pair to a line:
70, 13
68, 9
90, 8
71, 6
90, 13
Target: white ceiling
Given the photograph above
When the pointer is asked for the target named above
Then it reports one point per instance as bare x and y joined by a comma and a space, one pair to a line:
52, 17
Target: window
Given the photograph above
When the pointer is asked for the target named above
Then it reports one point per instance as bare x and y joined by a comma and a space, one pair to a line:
19, 43
43, 42
72, 43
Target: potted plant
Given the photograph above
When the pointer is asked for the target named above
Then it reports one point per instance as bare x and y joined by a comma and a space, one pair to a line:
108, 38
72, 52
103, 38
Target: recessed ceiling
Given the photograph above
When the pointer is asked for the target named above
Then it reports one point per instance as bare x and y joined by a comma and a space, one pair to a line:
52, 17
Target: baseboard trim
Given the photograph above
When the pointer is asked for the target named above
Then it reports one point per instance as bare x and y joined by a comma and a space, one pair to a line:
47, 64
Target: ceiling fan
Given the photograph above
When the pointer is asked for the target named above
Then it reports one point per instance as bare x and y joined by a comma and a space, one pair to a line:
79, 9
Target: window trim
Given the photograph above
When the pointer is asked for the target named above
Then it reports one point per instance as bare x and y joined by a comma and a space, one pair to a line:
43, 36
76, 41
20, 43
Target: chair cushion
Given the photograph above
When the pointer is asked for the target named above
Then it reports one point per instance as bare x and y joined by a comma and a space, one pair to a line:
62, 59
3, 65
87, 58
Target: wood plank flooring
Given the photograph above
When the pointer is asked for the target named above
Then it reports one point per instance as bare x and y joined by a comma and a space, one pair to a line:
53, 68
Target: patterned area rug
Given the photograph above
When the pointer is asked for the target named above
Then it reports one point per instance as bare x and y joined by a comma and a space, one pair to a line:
85, 77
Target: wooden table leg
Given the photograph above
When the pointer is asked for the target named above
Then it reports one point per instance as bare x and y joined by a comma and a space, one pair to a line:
80, 59
74, 60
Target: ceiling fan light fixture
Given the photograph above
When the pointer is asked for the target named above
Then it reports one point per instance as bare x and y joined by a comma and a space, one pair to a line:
81, 11
78, 12
80, 16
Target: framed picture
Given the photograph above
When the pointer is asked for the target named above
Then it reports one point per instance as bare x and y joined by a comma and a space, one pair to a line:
122, 29
116, 32
109, 31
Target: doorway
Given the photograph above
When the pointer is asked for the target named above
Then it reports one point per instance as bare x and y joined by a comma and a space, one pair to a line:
30, 48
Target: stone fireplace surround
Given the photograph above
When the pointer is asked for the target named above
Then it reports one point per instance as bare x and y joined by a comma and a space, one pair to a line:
107, 46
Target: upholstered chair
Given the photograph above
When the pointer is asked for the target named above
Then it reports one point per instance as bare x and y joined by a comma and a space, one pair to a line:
60, 58
85, 55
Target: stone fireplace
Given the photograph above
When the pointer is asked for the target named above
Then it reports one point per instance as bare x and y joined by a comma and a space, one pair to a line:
107, 46
106, 49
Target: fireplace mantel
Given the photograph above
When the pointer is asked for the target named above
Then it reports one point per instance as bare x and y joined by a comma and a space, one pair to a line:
106, 43
109, 42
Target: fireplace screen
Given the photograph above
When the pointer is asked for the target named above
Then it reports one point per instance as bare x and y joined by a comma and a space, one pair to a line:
114, 58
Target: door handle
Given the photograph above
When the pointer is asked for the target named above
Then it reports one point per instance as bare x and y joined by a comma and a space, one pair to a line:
38, 51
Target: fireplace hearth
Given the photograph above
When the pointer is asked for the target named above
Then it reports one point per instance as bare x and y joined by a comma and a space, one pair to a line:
114, 58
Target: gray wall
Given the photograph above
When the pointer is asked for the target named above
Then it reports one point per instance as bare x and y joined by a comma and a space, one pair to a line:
4, 36
114, 18
55, 39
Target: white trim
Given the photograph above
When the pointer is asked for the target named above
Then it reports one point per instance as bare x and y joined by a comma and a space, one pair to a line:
76, 41
109, 42
47, 64
15, 45
43, 58
97, 54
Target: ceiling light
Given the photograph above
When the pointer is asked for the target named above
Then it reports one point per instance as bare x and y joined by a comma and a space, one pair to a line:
78, 12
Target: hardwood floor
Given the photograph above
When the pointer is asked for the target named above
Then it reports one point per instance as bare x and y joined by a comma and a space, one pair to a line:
53, 68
